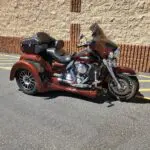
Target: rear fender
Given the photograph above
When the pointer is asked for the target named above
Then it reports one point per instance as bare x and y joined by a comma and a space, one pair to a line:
28, 66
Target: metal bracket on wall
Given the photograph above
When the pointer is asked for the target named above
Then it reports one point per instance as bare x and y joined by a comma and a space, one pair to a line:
75, 6
74, 32
71, 44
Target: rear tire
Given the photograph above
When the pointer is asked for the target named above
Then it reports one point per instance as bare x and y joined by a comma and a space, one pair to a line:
26, 82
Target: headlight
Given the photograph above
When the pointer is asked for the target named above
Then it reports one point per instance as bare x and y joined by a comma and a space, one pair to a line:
117, 53
114, 54
111, 55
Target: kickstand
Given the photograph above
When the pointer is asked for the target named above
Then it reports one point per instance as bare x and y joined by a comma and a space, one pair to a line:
110, 102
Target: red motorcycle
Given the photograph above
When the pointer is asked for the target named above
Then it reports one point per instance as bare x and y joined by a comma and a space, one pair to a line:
43, 67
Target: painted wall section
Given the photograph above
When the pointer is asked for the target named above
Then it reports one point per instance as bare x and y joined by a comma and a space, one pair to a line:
124, 21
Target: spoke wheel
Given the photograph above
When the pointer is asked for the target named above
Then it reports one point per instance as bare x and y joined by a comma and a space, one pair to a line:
127, 91
125, 87
26, 82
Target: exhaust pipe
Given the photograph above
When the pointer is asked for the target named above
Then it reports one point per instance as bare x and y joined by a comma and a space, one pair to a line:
86, 93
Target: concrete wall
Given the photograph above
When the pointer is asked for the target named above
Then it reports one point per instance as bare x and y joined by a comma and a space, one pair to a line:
124, 21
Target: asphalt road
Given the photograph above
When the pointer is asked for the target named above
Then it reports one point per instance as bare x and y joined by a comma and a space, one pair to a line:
59, 121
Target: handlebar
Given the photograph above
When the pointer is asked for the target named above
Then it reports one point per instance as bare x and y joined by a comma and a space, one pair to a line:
83, 45
73, 54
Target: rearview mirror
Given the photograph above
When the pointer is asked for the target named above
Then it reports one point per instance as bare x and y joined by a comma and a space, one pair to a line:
81, 36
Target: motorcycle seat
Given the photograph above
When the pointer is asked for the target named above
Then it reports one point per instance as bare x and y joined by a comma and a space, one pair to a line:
55, 55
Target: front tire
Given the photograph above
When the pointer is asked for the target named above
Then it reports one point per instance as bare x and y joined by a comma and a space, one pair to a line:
130, 87
26, 82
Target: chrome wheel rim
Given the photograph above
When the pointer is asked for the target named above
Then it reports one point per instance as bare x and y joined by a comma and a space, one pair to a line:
26, 80
125, 88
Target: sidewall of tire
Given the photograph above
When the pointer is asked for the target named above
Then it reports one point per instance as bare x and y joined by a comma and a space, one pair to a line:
128, 96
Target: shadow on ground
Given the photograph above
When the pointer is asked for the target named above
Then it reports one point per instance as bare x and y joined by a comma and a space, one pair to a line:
139, 99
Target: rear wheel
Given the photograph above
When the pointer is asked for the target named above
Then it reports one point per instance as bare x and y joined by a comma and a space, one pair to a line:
26, 82
129, 88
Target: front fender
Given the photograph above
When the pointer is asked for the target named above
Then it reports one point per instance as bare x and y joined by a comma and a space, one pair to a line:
28, 66
124, 70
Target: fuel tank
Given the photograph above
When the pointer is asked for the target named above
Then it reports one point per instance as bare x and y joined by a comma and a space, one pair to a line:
86, 56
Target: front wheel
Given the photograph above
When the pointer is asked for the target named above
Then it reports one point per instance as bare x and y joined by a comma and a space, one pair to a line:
26, 82
129, 87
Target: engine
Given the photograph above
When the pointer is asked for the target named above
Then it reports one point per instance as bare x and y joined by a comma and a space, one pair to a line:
82, 74
81, 71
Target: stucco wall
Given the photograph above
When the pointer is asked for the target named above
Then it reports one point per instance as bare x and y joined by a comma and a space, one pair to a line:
124, 21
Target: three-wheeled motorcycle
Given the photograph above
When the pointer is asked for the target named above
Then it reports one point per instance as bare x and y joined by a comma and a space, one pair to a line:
43, 67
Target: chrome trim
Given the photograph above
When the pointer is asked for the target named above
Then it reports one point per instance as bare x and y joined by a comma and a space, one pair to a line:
96, 82
50, 50
109, 67
65, 81
111, 55
81, 85
57, 75
73, 75
69, 65
117, 53
84, 57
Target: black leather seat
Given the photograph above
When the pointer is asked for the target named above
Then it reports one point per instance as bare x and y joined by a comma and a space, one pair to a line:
56, 55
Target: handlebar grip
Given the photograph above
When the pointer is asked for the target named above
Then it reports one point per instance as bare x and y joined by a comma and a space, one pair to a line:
82, 45
78, 46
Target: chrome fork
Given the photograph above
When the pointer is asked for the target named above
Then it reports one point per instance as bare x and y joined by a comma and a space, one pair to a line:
109, 67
